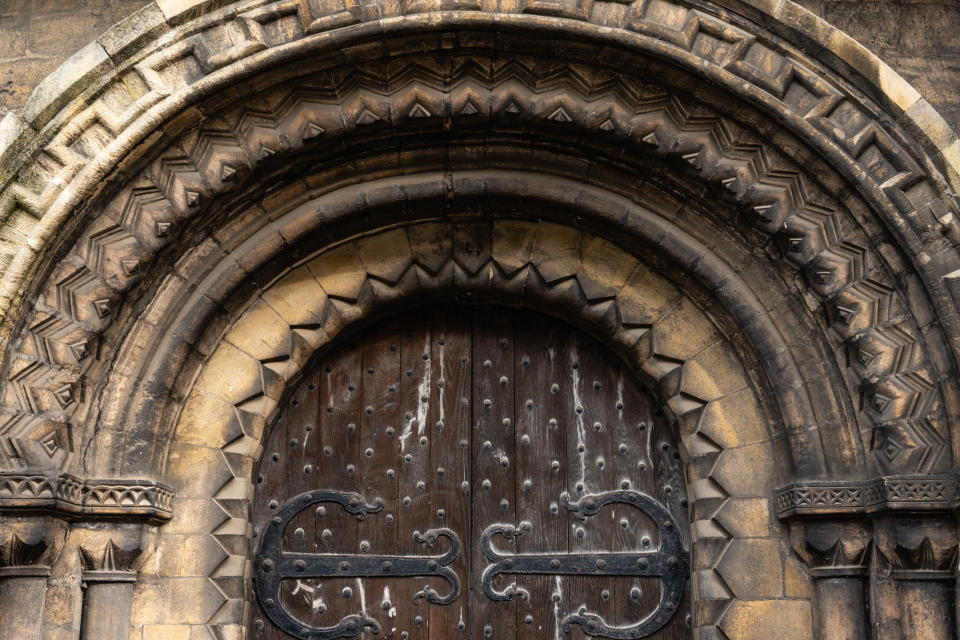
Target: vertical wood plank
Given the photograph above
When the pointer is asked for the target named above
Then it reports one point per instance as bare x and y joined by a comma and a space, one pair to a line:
449, 421
413, 468
494, 462
541, 460
376, 468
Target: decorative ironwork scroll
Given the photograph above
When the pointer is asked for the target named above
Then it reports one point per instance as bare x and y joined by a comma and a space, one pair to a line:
669, 561
272, 565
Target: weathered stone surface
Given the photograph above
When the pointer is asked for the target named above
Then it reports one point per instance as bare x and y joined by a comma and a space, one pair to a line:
65, 83
223, 392
755, 620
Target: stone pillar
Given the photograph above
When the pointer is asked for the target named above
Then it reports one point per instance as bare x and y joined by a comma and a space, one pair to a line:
109, 577
836, 553
920, 554
23, 583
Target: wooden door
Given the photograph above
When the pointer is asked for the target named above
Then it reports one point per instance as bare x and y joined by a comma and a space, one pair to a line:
470, 472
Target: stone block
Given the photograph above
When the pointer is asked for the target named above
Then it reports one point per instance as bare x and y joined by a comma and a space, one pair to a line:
298, 298
556, 252
512, 244
645, 297
431, 244
193, 600
340, 272
714, 372
151, 602
746, 517
734, 420
179, 11
683, 331
746, 471
196, 472
166, 632
765, 619
797, 583
261, 333
208, 421
194, 515
123, 38
64, 84
385, 255
604, 268
188, 555
753, 568
230, 374
14, 133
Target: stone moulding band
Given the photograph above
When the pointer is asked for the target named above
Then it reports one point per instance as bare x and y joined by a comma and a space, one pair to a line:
889, 493
69, 496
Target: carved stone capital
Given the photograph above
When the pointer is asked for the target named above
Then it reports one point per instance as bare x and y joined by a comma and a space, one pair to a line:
22, 557
66, 495
833, 547
889, 493
917, 548
109, 562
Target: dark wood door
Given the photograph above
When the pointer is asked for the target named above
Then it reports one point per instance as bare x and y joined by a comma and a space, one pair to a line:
406, 451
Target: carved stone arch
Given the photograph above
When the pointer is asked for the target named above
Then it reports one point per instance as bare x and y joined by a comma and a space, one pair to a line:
700, 379
804, 203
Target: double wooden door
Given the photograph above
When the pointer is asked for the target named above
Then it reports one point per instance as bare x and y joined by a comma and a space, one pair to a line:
469, 472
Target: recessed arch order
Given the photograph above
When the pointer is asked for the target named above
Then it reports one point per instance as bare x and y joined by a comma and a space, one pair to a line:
767, 242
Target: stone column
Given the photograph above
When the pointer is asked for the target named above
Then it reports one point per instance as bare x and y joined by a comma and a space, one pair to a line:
23, 583
836, 552
109, 577
920, 554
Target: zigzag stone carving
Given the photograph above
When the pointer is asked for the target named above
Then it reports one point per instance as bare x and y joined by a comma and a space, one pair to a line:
232, 39
902, 421
546, 266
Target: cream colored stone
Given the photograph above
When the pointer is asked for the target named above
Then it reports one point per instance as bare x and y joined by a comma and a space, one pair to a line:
196, 472
797, 582
208, 421
752, 568
193, 600
188, 555
298, 298
133, 31
714, 372
556, 252
340, 272
61, 86
178, 10
746, 517
683, 331
645, 297
261, 333
513, 243
166, 632
766, 619
734, 420
385, 255
230, 374
746, 471
604, 268
899, 91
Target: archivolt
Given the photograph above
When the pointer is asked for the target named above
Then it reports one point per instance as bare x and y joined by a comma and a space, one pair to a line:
410, 115
697, 374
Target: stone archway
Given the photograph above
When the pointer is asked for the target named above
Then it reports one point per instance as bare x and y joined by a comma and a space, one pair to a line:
804, 226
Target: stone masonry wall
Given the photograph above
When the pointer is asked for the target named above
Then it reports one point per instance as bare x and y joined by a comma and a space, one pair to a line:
36, 36
918, 38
